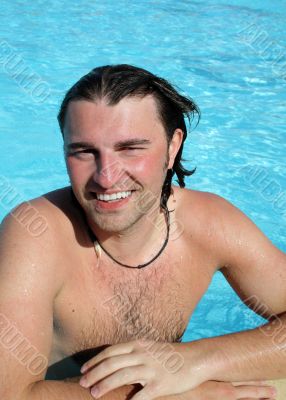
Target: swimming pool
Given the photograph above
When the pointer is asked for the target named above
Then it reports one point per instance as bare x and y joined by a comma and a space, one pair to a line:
228, 56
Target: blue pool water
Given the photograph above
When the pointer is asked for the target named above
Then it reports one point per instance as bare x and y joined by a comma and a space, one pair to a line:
229, 56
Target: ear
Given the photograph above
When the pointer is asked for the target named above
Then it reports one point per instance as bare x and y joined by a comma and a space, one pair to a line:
174, 146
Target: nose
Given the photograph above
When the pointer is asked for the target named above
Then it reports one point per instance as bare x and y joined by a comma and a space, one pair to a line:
108, 172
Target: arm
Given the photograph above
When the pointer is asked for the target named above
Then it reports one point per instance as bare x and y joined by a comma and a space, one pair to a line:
29, 283
256, 269
252, 354
61, 390
208, 390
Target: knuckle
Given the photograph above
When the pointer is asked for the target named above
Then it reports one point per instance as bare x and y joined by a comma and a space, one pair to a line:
267, 391
255, 391
102, 386
107, 364
101, 368
105, 352
126, 373
142, 396
136, 344
142, 342
228, 391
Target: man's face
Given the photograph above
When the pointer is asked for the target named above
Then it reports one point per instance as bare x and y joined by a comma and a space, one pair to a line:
120, 150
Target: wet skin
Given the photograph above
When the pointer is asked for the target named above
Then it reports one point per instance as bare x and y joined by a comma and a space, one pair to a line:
76, 301
97, 137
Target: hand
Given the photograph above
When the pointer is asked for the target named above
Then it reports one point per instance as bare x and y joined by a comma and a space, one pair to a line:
161, 368
212, 390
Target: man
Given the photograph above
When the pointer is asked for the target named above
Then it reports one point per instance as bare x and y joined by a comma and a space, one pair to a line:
125, 260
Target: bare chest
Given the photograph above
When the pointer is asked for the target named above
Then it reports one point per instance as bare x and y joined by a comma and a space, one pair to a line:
107, 304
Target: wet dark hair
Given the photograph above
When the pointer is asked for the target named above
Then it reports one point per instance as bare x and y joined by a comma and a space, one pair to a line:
114, 82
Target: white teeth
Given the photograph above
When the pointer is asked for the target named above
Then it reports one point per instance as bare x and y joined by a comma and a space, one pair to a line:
113, 196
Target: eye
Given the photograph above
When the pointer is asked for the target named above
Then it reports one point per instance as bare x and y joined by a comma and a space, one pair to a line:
132, 149
83, 154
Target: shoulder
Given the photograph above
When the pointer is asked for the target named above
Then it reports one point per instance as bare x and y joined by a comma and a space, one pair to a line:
39, 217
42, 215
220, 226
187, 195
203, 207
212, 221
32, 236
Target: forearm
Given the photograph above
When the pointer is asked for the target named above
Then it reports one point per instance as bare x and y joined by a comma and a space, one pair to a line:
255, 354
68, 390
63, 390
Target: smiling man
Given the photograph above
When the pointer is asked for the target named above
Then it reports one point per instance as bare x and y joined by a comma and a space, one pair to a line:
110, 286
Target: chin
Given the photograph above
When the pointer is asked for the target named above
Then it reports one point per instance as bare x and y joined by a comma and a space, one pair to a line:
109, 223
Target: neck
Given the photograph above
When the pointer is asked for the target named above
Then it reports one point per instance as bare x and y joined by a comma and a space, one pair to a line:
140, 242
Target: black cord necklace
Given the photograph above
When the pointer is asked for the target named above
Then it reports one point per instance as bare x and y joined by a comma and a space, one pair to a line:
140, 266
97, 243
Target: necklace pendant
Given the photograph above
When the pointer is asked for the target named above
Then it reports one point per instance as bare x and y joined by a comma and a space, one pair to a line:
97, 249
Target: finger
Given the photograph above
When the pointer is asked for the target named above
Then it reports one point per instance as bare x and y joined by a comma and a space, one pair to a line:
149, 392
108, 367
261, 398
255, 392
243, 383
115, 350
125, 376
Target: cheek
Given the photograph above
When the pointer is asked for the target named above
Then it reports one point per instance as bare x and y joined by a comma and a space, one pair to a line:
141, 165
78, 171
151, 167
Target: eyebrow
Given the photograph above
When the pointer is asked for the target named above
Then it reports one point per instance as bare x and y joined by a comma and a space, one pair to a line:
131, 142
118, 145
78, 145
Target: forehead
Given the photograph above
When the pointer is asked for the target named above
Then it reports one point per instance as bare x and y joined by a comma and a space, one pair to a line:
132, 115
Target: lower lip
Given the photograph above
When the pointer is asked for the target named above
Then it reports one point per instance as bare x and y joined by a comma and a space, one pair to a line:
112, 205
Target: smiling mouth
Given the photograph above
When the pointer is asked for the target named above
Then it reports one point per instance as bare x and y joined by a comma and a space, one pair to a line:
108, 198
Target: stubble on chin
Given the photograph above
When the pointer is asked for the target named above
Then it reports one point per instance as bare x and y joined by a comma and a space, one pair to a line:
117, 222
